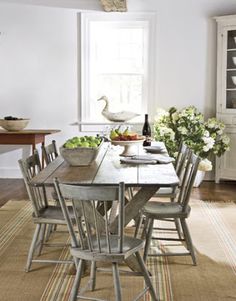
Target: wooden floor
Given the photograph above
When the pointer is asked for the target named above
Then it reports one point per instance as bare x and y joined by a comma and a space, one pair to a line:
14, 189
210, 191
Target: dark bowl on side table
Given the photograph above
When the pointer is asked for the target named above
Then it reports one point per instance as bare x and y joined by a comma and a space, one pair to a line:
14, 125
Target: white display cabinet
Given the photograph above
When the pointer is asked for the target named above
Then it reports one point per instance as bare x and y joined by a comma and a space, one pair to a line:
226, 93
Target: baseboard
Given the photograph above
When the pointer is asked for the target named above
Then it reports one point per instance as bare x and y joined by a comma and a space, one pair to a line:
10, 173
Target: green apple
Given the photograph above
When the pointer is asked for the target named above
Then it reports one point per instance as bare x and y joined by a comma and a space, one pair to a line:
83, 141
69, 145
93, 144
85, 144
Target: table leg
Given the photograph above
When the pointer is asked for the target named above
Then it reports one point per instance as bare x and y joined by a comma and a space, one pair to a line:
133, 207
42, 155
33, 148
43, 143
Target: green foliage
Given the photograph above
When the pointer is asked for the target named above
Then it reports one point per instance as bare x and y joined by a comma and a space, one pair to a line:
203, 137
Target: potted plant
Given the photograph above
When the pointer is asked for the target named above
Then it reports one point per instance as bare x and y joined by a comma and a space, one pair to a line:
205, 138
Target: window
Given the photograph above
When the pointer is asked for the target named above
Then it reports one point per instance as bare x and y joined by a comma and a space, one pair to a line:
117, 61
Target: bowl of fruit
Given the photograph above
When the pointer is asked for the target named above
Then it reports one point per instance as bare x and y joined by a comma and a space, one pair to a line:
129, 140
81, 151
14, 124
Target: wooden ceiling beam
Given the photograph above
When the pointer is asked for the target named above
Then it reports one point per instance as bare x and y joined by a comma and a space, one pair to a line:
114, 5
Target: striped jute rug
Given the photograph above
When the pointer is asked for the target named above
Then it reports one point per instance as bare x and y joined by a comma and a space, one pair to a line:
213, 229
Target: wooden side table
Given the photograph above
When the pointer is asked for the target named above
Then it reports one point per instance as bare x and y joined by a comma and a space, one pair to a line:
25, 137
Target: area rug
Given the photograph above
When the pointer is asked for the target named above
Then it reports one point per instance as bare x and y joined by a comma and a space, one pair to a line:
213, 229
51, 282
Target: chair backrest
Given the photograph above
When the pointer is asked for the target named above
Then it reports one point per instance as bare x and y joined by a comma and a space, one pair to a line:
92, 224
188, 179
180, 164
30, 167
49, 152
181, 158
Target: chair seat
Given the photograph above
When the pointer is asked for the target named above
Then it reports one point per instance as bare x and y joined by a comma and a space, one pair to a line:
165, 210
52, 214
130, 246
166, 192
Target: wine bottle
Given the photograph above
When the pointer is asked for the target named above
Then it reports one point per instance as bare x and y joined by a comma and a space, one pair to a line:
146, 131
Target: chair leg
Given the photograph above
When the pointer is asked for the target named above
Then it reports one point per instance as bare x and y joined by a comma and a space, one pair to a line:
188, 240
146, 277
138, 226
116, 280
76, 285
32, 247
178, 228
48, 231
92, 280
148, 239
41, 239
145, 227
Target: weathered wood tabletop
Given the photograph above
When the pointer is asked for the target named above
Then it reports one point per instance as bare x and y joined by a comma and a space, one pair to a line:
108, 170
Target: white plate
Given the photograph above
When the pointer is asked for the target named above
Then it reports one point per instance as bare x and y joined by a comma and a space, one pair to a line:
155, 149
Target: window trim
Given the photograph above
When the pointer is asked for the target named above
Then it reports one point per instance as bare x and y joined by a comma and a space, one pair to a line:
84, 21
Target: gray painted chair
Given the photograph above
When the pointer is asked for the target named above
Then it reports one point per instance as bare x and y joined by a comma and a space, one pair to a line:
44, 214
96, 243
171, 192
177, 210
49, 152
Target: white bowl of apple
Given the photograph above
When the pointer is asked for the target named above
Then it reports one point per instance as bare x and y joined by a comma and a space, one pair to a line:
81, 151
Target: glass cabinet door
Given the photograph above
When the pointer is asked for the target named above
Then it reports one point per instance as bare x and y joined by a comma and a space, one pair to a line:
230, 69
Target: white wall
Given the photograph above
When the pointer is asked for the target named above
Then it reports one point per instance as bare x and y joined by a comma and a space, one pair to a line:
38, 61
38, 73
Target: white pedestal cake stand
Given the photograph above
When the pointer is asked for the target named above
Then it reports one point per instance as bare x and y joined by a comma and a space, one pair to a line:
130, 147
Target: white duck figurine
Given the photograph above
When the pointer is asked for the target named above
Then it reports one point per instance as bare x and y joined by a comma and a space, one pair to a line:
122, 116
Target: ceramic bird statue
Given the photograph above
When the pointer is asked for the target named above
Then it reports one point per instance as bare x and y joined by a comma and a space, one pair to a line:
121, 116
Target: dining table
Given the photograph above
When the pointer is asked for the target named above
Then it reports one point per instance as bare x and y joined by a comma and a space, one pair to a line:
109, 169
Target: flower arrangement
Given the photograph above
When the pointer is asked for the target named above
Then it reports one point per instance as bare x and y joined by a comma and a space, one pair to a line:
205, 138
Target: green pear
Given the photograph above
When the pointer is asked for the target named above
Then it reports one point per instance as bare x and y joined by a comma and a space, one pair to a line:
113, 134
126, 132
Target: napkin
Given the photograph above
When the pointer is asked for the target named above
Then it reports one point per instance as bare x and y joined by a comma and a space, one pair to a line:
137, 161
164, 159
145, 159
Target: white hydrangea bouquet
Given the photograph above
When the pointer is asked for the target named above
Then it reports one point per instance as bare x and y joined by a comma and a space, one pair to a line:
205, 138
